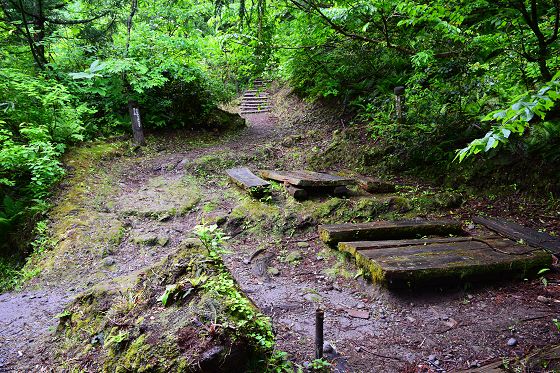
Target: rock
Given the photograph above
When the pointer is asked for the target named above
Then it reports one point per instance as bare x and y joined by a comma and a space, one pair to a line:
107, 262
189, 243
210, 359
512, 342
294, 257
303, 244
273, 271
543, 299
432, 358
358, 349
162, 241
328, 348
359, 314
474, 364
373, 185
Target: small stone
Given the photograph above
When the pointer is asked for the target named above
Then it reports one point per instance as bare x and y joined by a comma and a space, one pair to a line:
432, 358
306, 364
328, 348
474, 364
273, 271
358, 349
512, 342
410, 319
303, 244
293, 257
543, 299
246, 261
107, 262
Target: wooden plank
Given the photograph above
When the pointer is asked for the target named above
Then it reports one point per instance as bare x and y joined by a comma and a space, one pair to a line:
352, 247
388, 230
518, 232
244, 178
548, 357
298, 193
460, 260
306, 179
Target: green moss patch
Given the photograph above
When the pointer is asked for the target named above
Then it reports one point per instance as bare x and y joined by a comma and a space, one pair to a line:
183, 314
161, 199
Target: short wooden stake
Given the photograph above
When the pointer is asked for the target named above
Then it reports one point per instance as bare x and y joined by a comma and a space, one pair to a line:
399, 103
319, 318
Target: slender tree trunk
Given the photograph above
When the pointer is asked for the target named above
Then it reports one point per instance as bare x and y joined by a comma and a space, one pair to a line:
133, 107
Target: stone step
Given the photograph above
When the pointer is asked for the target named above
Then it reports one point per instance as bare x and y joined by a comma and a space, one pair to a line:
387, 230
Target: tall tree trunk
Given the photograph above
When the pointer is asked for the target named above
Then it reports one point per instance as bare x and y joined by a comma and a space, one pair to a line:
133, 107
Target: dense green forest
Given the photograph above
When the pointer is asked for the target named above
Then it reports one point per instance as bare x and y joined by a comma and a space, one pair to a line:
481, 77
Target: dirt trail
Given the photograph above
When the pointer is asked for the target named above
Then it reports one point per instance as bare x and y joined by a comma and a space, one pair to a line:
369, 328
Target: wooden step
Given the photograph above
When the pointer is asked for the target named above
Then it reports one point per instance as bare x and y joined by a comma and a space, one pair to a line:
254, 101
518, 232
253, 107
255, 97
439, 262
255, 111
306, 179
244, 178
387, 230
252, 104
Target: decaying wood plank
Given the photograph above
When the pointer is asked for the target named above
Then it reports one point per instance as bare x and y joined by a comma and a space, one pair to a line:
387, 230
518, 232
245, 179
306, 179
352, 247
298, 193
548, 357
440, 261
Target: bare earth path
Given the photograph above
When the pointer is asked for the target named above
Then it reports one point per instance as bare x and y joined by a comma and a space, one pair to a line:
370, 329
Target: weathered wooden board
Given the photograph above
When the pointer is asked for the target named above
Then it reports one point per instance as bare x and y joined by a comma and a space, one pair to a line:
518, 232
306, 179
459, 260
548, 357
244, 178
387, 230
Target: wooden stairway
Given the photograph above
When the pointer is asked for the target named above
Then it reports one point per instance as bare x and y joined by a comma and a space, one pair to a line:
255, 100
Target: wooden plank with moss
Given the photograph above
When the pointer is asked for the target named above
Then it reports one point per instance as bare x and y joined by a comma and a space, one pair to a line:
388, 230
469, 259
520, 233
306, 179
244, 178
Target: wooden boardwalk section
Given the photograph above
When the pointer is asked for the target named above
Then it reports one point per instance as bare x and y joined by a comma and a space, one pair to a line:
408, 253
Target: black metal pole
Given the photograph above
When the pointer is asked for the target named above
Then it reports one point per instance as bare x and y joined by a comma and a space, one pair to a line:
319, 318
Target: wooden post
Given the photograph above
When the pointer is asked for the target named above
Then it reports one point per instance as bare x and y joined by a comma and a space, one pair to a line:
399, 104
319, 318
137, 130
